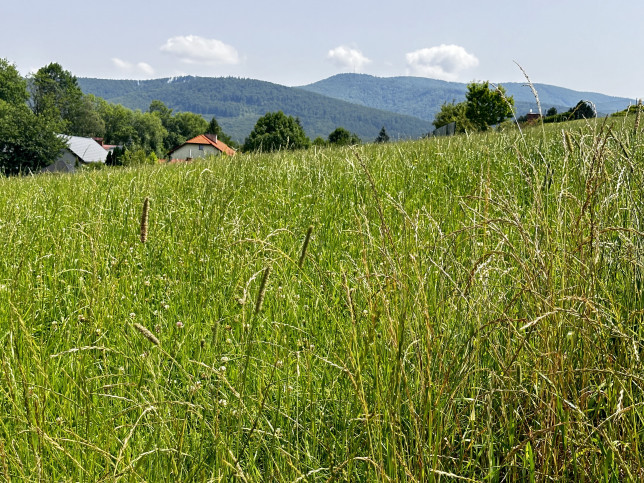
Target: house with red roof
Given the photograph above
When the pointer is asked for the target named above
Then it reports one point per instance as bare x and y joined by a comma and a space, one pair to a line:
199, 147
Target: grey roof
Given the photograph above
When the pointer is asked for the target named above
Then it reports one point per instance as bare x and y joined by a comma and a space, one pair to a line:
88, 150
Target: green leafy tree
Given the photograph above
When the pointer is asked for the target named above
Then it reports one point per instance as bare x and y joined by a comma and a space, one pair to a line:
28, 142
452, 112
55, 94
382, 137
275, 131
189, 125
485, 107
319, 141
583, 110
86, 120
13, 88
342, 137
214, 128
551, 112
149, 132
119, 123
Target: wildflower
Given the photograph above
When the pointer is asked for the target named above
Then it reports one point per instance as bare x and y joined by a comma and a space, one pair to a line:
179, 324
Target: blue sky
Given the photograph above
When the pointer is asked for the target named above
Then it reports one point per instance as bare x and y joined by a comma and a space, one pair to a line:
587, 45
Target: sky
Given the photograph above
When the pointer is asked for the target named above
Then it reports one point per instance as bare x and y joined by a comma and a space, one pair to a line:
585, 45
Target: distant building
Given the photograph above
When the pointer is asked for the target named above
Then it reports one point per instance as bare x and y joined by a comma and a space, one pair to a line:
107, 147
199, 147
80, 151
532, 116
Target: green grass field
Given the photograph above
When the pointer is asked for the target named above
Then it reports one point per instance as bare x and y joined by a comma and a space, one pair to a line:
465, 308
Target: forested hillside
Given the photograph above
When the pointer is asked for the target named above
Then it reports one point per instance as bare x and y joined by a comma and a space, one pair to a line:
238, 103
422, 97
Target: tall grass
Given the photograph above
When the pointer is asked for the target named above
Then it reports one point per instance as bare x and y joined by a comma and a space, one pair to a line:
465, 308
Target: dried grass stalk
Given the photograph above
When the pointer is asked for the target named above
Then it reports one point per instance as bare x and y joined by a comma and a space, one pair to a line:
146, 333
144, 220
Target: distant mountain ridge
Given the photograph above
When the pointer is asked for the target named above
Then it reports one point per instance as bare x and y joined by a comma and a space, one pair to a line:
238, 103
361, 103
423, 97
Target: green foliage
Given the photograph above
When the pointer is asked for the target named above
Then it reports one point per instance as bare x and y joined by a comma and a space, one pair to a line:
119, 128
463, 309
239, 103
149, 132
485, 107
13, 88
383, 137
632, 109
55, 94
452, 112
214, 128
116, 156
28, 142
276, 131
342, 137
551, 111
137, 157
583, 110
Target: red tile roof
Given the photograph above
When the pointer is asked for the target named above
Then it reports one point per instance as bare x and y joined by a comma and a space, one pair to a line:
210, 139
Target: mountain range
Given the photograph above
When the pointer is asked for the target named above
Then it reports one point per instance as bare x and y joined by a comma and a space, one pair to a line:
361, 103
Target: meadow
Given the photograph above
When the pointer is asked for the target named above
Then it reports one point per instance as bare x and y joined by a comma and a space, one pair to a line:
453, 309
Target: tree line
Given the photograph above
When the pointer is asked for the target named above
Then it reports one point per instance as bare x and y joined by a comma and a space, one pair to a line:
487, 106
35, 110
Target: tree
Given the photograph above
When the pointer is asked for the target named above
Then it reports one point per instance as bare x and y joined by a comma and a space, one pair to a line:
28, 142
485, 107
149, 132
341, 137
214, 128
383, 137
275, 131
13, 88
319, 141
55, 94
551, 112
583, 110
453, 112
119, 123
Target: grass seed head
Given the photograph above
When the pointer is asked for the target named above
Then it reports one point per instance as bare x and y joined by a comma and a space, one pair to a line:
147, 334
144, 220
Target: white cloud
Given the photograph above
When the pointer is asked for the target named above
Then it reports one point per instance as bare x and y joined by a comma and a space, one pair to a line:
348, 58
141, 68
193, 49
443, 62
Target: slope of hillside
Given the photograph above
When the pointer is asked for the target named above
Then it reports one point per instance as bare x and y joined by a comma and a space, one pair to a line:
422, 97
238, 103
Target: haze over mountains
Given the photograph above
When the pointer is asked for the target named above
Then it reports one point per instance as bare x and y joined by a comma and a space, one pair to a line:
361, 103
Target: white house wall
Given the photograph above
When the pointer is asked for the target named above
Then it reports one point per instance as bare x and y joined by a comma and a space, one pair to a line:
192, 151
